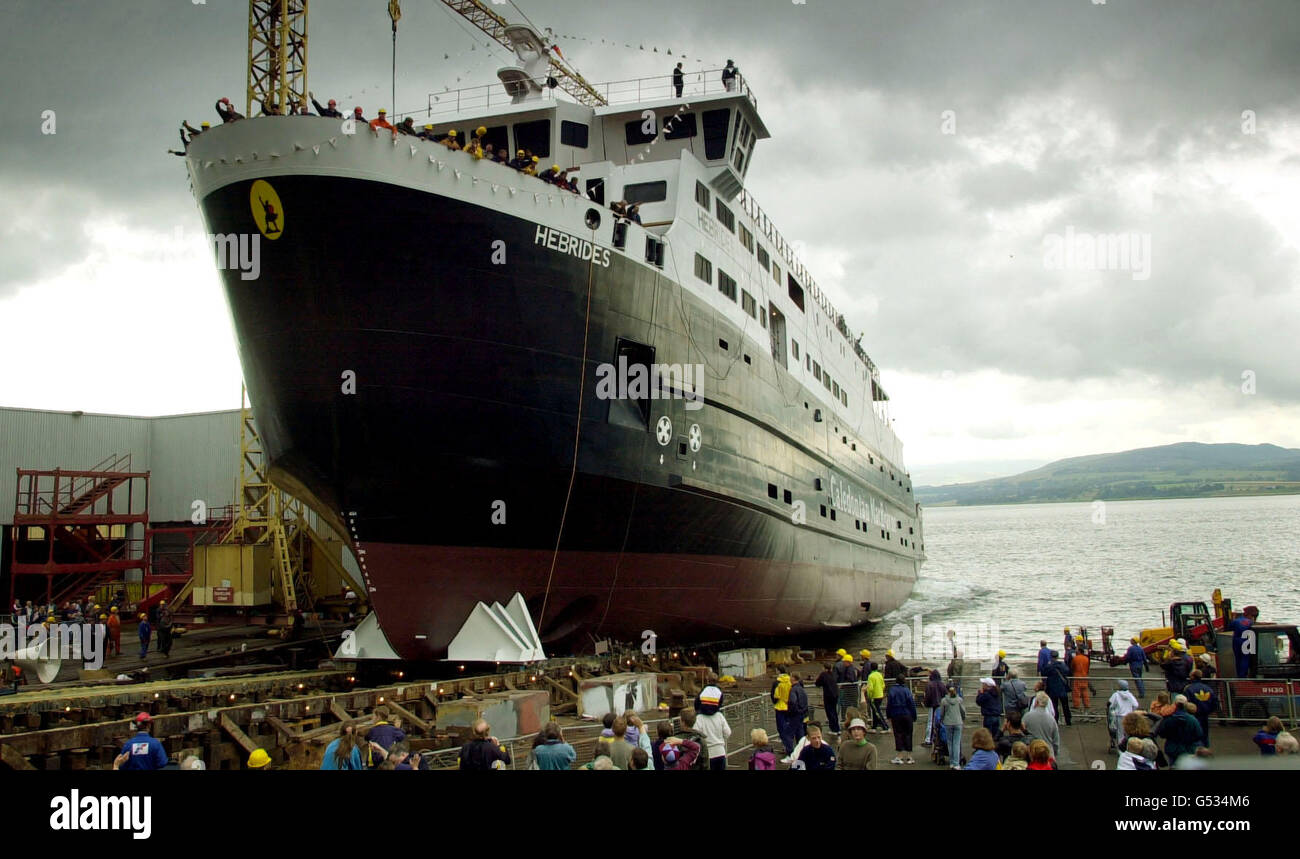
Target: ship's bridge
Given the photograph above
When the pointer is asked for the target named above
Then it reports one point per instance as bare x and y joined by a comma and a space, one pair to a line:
644, 121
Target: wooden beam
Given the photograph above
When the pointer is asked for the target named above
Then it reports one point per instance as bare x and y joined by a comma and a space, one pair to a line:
228, 725
410, 717
339, 713
14, 760
283, 729
565, 689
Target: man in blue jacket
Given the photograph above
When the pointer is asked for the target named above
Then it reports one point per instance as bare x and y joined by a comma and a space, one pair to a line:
1058, 685
141, 752
1243, 639
798, 707
1136, 659
990, 703
1044, 657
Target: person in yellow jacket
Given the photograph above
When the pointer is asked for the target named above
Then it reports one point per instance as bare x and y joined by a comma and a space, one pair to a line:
785, 724
874, 694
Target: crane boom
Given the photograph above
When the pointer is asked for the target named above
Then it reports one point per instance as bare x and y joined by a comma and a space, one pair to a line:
495, 27
277, 55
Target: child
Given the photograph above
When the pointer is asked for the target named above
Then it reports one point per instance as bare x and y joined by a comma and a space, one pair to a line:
763, 758
1019, 757
1266, 739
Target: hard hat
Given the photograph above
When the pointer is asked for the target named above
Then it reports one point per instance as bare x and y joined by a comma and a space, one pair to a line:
890, 653
103, 616
205, 125
1067, 629
555, 168
333, 102
143, 616
428, 128
1134, 639
112, 608
848, 657
357, 110
866, 654
50, 619
258, 759
451, 133
1001, 653
162, 602
520, 153
143, 717
225, 101
841, 652
1176, 645
1078, 638
96, 605
535, 159
480, 131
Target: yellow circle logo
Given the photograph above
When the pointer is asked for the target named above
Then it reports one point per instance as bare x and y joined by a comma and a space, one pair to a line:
267, 210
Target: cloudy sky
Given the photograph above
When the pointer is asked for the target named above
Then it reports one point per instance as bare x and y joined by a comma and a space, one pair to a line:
933, 158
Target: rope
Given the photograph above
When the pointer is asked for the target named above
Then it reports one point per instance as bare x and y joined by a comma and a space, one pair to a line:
577, 435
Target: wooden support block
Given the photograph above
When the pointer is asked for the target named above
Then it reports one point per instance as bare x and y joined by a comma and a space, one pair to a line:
339, 713
235, 732
282, 729
566, 690
409, 716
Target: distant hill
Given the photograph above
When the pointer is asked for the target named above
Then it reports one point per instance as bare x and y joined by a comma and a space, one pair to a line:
1184, 470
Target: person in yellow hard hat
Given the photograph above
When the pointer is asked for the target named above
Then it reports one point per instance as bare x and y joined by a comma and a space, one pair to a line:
114, 631
841, 652
165, 624
531, 169
259, 760
474, 148
145, 631
382, 122
480, 131
893, 669
999, 668
450, 140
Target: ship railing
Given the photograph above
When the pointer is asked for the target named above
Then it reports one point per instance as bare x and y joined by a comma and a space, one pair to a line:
796, 269
487, 97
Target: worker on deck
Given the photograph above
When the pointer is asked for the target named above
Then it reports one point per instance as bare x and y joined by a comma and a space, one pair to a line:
520, 160
893, 668
1068, 646
531, 169
114, 624
331, 111
1044, 657
1079, 665
1177, 667
1202, 695
1136, 659
830, 696
474, 149
450, 140
227, 111
679, 79
729, 76
1243, 640
145, 631
381, 121
141, 752
999, 667
1205, 665
165, 622
407, 127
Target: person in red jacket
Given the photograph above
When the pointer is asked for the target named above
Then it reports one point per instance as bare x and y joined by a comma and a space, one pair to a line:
114, 632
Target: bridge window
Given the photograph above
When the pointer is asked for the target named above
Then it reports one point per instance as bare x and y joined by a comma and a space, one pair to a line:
679, 127
776, 273
748, 304
763, 259
715, 133
636, 134
746, 238
646, 192
794, 348
534, 136
573, 133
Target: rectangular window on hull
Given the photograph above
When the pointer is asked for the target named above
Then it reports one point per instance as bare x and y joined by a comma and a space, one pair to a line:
596, 190
726, 285
715, 133
763, 259
794, 348
703, 269
702, 194
726, 217
748, 304
746, 238
796, 292
534, 136
573, 133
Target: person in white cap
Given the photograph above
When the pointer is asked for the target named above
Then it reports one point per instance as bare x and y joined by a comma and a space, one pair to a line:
990, 704
1120, 705
1180, 730
855, 752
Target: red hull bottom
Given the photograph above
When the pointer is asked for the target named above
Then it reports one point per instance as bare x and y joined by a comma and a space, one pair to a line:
423, 595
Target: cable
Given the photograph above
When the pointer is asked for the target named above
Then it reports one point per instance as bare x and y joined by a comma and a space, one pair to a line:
577, 435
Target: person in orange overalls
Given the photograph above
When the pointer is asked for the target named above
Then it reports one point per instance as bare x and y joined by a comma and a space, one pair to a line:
1079, 665
114, 632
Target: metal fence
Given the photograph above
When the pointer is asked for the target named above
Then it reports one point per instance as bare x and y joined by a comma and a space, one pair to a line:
743, 716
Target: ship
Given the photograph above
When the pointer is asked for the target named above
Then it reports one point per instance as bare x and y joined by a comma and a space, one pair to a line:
544, 426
